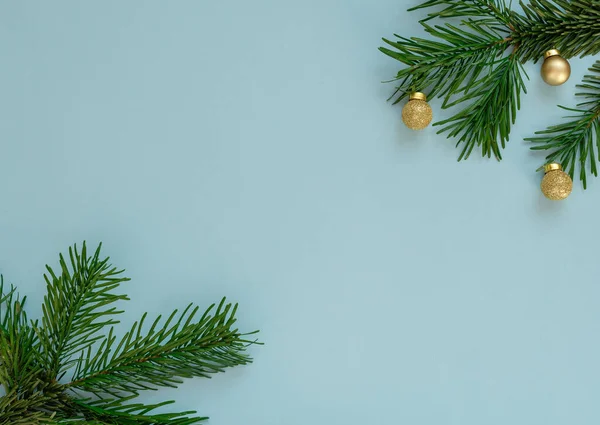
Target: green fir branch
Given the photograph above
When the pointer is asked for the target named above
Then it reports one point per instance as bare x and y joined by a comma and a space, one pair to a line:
25, 401
459, 60
120, 412
18, 344
77, 306
491, 12
576, 141
160, 357
15, 410
448, 66
571, 26
493, 103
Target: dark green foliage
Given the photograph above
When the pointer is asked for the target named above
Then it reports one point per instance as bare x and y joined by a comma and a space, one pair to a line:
474, 60
178, 348
494, 99
120, 412
447, 65
577, 140
573, 27
77, 307
50, 369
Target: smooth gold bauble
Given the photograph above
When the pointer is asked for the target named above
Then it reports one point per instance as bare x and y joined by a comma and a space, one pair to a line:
556, 184
417, 113
555, 69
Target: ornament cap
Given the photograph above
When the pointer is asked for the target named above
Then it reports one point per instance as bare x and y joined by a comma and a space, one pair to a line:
551, 52
417, 95
553, 166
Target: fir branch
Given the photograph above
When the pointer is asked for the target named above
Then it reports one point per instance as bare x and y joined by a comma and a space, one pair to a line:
451, 63
571, 26
576, 141
448, 66
18, 344
31, 397
34, 403
77, 306
118, 412
497, 10
167, 352
15, 410
76, 309
494, 100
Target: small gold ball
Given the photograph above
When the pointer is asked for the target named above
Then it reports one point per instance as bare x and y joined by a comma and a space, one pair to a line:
555, 69
417, 114
556, 184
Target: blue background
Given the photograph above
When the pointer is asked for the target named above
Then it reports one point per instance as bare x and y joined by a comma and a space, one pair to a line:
246, 149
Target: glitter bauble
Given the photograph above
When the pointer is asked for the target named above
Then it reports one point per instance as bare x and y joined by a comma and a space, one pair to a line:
556, 184
417, 113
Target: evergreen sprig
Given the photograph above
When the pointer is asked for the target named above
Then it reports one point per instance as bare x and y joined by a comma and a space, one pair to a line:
121, 412
77, 306
571, 26
35, 357
178, 348
576, 142
475, 63
494, 99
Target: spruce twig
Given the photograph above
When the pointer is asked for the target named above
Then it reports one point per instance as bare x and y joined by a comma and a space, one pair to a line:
460, 62
34, 357
576, 142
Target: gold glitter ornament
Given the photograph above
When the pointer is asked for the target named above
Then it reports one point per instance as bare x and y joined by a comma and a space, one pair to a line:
417, 113
556, 184
555, 69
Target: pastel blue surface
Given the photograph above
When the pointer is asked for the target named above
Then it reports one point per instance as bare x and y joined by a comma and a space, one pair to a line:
247, 149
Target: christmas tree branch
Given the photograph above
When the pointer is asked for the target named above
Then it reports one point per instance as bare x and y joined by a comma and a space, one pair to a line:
165, 354
493, 103
576, 141
15, 410
25, 401
17, 343
448, 66
571, 26
31, 397
121, 413
77, 306
490, 11
465, 57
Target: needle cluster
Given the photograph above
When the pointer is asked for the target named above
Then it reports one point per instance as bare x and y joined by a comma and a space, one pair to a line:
70, 367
